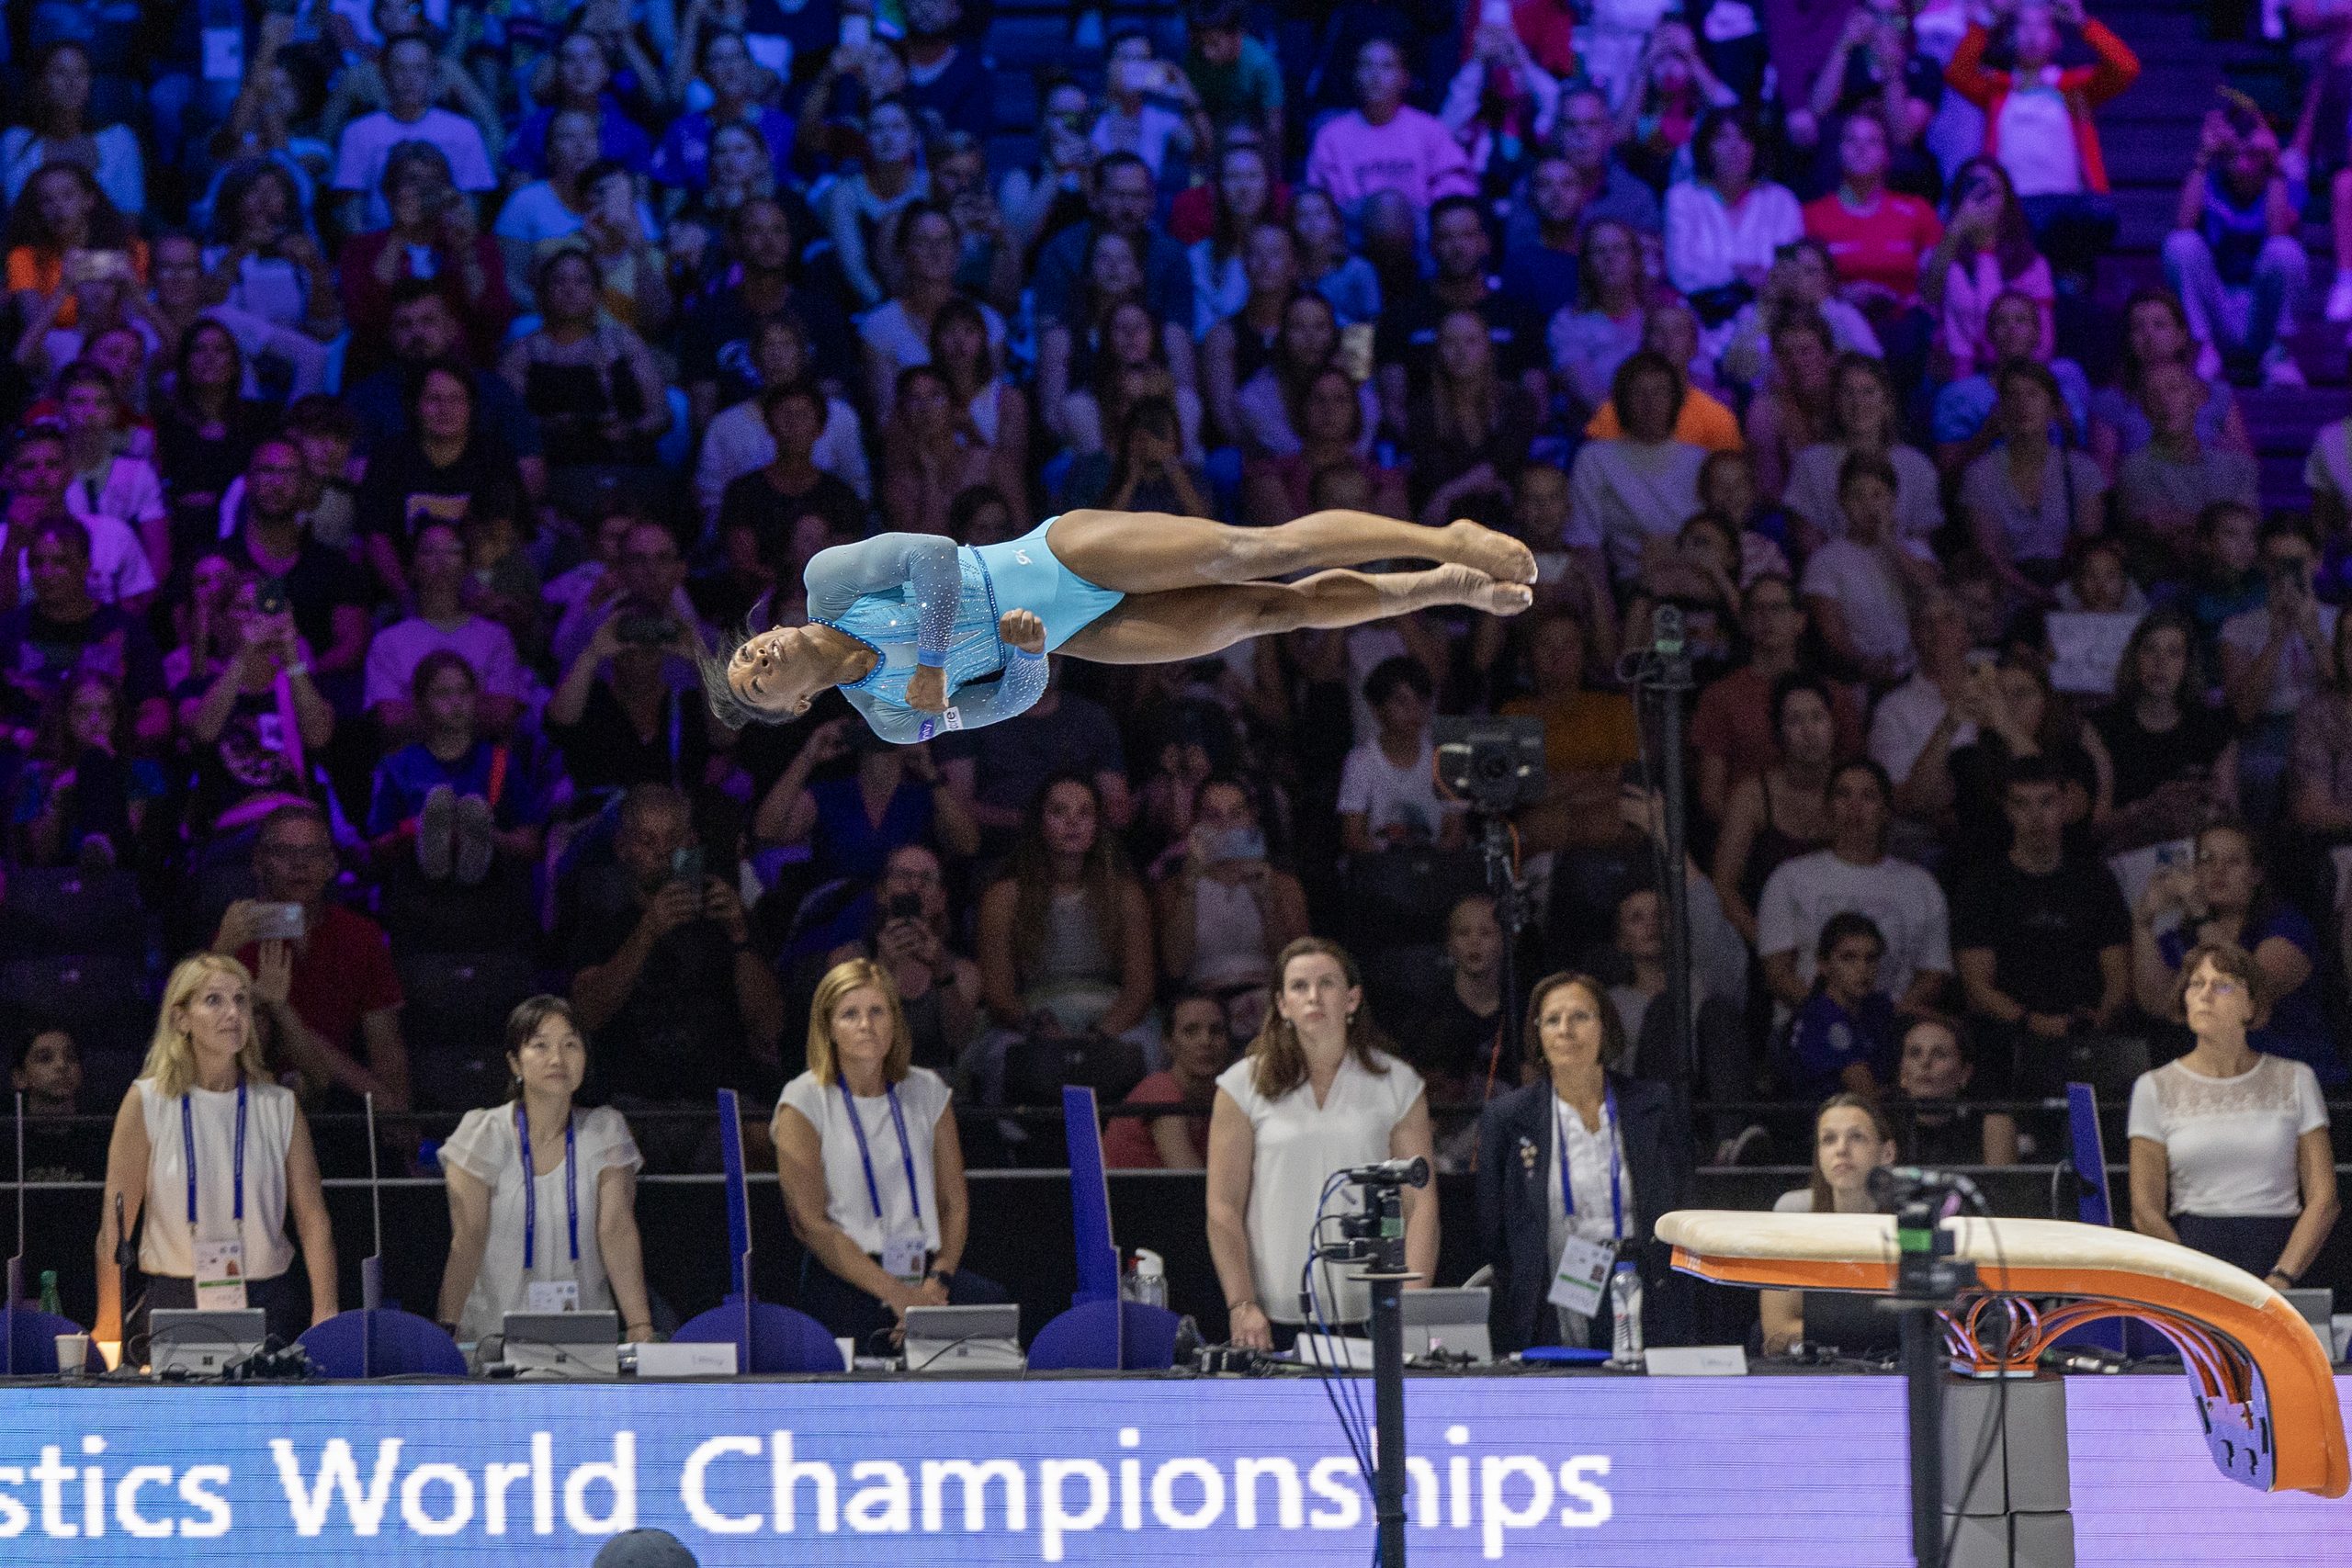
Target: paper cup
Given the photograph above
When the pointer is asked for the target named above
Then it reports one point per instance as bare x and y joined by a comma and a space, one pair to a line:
73, 1354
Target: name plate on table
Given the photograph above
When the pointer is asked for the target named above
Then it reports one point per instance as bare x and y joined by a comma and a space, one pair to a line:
685, 1360
1696, 1361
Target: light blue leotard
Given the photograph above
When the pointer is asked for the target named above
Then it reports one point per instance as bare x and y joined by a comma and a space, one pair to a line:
916, 599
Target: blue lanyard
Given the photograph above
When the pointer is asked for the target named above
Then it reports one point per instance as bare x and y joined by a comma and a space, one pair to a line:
1616, 1183
866, 1156
187, 1147
531, 1188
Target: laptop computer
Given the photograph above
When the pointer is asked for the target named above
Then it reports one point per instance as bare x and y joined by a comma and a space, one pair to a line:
563, 1344
204, 1344
965, 1338
1451, 1320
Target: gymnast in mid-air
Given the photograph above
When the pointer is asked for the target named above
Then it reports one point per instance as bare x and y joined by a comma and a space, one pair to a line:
923, 636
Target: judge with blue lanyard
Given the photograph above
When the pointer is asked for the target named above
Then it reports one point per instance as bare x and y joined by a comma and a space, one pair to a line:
1574, 1170
542, 1194
213, 1155
872, 1172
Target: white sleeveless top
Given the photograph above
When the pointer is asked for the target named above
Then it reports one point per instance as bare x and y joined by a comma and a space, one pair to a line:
1298, 1145
1229, 936
484, 1147
167, 1243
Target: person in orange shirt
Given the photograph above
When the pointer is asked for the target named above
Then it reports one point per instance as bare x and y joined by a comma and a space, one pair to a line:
1672, 329
63, 210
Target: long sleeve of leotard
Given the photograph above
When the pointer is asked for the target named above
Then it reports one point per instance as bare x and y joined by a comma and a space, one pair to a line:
1023, 682
923, 563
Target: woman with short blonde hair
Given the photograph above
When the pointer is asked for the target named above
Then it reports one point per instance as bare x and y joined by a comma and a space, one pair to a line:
226, 1154
870, 1166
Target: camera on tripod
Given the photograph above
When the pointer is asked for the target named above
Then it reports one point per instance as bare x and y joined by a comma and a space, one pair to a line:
1496, 763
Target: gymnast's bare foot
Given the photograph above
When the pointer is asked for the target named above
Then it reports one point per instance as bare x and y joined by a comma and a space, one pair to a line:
1468, 585
1500, 556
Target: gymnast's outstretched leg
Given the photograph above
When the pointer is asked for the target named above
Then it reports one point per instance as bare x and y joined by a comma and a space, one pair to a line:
1154, 552
1193, 623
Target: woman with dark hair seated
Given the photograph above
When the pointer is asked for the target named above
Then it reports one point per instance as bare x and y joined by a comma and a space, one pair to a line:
1851, 1137
1574, 1170
2230, 1146
870, 1167
554, 1186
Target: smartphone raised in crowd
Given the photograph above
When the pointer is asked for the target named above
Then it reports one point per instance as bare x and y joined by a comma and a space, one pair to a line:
686, 865
277, 922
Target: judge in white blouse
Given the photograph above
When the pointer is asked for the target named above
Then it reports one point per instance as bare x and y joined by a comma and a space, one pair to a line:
224, 1153
564, 1237
2229, 1148
872, 1172
1313, 1095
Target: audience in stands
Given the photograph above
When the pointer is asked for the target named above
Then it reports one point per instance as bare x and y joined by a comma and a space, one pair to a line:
393, 429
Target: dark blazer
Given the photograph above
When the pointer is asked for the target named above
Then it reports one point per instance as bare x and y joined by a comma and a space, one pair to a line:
1514, 1207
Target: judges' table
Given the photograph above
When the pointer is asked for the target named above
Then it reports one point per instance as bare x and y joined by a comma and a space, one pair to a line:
1793, 1470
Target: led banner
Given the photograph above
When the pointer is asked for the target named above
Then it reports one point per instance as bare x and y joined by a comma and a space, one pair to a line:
1756, 1471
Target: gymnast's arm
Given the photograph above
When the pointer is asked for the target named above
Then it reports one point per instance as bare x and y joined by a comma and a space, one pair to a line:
1023, 682
923, 563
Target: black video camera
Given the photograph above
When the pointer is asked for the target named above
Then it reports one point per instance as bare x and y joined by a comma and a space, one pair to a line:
1495, 764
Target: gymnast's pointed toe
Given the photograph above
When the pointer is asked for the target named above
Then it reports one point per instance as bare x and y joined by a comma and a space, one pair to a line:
1500, 556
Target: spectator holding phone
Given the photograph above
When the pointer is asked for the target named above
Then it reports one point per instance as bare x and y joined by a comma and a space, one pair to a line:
665, 976
2234, 256
324, 991
2277, 659
1150, 109
1225, 911
911, 936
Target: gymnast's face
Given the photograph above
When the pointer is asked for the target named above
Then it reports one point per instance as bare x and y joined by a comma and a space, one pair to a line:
777, 672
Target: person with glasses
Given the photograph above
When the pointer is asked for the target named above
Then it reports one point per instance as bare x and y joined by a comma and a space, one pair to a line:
2230, 1143
325, 996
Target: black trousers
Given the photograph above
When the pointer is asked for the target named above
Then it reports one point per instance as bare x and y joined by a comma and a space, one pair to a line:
2252, 1241
848, 1313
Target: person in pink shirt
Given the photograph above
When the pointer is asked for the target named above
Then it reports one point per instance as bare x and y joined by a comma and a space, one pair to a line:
1386, 145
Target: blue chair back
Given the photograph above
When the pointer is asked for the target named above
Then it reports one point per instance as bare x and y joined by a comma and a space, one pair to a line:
783, 1339
1088, 1337
405, 1346
34, 1342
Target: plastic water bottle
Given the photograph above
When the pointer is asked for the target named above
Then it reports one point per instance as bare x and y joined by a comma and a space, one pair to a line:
49, 1302
1625, 1316
1147, 1280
